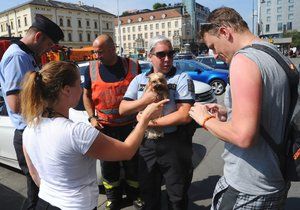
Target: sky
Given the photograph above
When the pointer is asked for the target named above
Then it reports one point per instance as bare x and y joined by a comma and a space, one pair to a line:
244, 7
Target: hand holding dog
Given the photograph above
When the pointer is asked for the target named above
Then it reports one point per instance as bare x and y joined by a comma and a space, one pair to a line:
149, 97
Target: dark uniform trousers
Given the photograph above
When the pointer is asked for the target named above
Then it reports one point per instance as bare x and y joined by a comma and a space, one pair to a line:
32, 189
168, 158
111, 169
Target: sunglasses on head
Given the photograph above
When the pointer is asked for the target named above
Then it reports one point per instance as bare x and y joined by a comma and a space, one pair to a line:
163, 54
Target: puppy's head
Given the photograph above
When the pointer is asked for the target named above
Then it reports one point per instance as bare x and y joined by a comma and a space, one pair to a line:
158, 83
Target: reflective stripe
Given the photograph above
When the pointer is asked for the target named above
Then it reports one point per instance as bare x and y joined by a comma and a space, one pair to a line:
110, 111
109, 186
133, 184
93, 70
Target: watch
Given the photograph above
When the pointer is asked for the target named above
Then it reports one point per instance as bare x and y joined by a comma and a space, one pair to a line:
91, 117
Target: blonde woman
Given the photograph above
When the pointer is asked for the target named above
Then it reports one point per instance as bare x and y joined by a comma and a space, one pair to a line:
61, 154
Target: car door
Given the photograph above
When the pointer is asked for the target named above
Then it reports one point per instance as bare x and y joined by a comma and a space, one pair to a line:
7, 151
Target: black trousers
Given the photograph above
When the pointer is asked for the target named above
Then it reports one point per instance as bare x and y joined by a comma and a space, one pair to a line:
32, 189
167, 158
111, 169
44, 205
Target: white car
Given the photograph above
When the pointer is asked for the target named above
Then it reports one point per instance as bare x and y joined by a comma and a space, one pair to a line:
204, 93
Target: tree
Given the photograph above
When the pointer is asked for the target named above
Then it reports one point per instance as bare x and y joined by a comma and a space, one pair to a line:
295, 38
125, 13
158, 6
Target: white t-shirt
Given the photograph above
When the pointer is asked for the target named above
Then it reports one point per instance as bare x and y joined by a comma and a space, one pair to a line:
56, 148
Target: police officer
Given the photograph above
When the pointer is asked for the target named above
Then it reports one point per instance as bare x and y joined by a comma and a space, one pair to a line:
18, 59
167, 157
105, 84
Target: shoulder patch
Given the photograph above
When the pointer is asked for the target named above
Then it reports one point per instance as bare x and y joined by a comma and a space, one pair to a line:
172, 86
191, 87
141, 87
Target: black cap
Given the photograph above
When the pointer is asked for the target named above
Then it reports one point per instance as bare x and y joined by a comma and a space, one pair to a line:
51, 29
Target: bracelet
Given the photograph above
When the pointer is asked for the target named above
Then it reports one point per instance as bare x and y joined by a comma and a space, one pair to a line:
91, 117
206, 119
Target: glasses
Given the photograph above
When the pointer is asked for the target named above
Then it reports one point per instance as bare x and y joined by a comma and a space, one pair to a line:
163, 54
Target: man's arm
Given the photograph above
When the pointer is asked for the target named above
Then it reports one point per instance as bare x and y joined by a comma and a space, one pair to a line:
246, 92
13, 101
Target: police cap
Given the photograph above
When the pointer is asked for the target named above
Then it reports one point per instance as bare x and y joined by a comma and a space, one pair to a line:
51, 29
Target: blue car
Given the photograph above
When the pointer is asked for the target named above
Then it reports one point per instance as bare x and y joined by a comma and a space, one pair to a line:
216, 78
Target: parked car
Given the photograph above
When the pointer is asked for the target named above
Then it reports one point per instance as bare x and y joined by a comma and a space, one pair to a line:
145, 66
212, 62
216, 78
185, 56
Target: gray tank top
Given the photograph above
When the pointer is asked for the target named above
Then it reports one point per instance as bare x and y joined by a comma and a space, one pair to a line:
256, 170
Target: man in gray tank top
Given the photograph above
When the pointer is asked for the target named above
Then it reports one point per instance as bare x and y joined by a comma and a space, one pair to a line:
259, 95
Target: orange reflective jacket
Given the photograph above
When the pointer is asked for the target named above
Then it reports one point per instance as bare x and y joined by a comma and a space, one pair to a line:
107, 96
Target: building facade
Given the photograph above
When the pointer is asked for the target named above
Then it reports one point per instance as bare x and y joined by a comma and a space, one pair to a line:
278, 16
80, 23
133, 31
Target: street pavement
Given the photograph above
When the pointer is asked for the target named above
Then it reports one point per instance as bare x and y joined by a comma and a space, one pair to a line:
208, 168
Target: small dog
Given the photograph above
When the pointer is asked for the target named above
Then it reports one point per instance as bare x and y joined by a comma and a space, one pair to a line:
158, 84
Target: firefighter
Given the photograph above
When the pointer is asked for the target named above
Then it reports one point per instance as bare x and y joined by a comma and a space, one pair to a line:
106, 81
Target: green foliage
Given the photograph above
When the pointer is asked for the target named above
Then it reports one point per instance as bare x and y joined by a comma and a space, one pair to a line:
158, 5
125, 13
295, 38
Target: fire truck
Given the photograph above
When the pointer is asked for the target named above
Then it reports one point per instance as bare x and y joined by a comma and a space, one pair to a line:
57, 52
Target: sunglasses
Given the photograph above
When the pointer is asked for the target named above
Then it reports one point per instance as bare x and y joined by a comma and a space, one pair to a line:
163, 54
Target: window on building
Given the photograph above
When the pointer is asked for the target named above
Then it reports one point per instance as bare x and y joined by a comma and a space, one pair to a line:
157, 33
169, 24
69, 37
25, 21
133, 45
88, 37
146, 44
279, 17
123, 30
279, 9
129, 45
169, 33
68, 22
146, 35
124, 38
79, 23
80, 37
291, 1
133, 36
95, 24
129, 38
268, 3
12, 25
291, 8
140, 36
151, 26
279, 27
1, 28
268, 11
290, 16
19, 23
279, 2
61, 22
128, 29
162, 25
133, 28
87, 23
176, 24
157, 26
269, 19
107, 25
139, 28
145, 27
289, 26
267, 27
124, 45
163, 33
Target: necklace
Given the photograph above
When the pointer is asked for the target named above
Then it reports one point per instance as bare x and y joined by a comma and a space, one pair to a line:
52, 113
